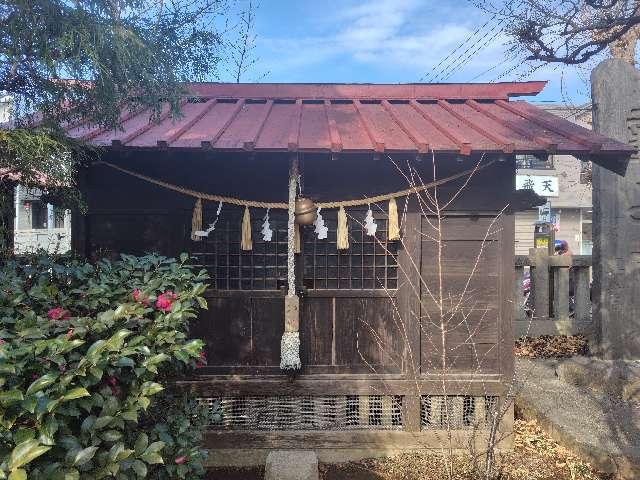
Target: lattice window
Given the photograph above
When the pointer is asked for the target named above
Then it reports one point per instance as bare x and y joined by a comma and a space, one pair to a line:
263, 268
327, 412
369, 263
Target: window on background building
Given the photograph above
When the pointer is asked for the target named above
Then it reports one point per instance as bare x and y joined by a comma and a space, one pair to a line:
58, 217
534, 162
39, 215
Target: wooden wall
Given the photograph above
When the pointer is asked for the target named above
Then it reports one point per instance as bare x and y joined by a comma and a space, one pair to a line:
344, 331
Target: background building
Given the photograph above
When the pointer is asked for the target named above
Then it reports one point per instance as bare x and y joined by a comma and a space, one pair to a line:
562, 180
38, 225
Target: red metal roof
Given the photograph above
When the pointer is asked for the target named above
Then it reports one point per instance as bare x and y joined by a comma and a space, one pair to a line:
456, 118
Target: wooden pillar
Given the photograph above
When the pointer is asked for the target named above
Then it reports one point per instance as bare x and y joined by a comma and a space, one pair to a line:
615, 97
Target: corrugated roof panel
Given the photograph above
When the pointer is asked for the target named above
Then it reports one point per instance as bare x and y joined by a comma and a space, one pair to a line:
209, 126
244, 126
483, 123
384, 127
170, 127
357, 118
278, 128
435, 139
314, 127
541, 137
450, 124
352, 135
130, 128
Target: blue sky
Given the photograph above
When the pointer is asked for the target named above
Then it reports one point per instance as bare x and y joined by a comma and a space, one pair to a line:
394, 41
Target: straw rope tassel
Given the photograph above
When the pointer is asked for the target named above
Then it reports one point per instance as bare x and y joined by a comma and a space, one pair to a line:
393, 227
196, 220
343, 230
290, 342
245, 242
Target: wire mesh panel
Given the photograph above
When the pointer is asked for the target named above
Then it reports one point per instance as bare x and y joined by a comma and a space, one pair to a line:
328, 412
457, 411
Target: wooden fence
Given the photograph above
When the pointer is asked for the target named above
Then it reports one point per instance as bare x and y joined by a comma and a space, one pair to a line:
552, 308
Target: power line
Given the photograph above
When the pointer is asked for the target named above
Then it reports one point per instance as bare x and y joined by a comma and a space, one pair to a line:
427, 76
455, 68
506, 60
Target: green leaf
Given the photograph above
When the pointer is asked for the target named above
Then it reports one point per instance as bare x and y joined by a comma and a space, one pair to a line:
142, 442
95, 349
47, 430
111, 435
151, 388
8, 397
115, 451
41, 383
24, 434
140, 468
151, 458
202, 302
84, 456
7, 368
19, 474
125, 362
102, 422
130, 415
160, 357
117, 339
193, 347
24, 452
72, 475
88, 423
155, 447
74, 393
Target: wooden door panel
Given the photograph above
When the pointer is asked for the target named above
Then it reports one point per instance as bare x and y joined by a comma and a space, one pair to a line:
471, 273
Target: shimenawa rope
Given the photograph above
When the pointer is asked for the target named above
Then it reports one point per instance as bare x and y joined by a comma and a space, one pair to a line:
285, 206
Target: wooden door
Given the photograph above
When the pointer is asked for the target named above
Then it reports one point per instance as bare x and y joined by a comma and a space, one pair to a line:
462, 265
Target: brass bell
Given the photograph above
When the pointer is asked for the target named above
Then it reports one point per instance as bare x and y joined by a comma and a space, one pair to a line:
305, 211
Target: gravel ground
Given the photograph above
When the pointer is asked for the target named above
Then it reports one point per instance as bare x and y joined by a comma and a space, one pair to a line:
535, 457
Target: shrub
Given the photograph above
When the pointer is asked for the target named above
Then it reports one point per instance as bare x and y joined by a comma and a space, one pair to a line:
85, 350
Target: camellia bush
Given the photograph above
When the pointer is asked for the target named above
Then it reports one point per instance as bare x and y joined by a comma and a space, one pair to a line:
88, 354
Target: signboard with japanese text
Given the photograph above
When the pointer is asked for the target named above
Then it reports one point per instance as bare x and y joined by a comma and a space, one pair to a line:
543, 185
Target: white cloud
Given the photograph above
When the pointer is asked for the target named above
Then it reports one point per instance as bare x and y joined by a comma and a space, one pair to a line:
404, 39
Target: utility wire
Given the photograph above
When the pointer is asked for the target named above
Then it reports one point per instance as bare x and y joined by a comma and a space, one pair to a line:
455, 68
427, 76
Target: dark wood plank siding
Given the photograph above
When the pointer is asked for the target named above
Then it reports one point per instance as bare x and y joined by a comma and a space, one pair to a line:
461, 293
358, 331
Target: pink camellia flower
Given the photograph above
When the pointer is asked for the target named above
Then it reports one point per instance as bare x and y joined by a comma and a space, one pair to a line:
180, 460
165, 300
140, 297
58, 313
202, 361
